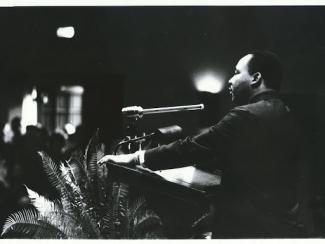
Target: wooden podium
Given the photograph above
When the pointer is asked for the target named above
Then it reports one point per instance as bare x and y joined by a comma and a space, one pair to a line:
179, 196
188, 184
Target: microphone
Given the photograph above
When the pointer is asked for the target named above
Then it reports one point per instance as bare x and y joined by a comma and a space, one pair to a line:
164, 134
132, 112
169, 133
138, 112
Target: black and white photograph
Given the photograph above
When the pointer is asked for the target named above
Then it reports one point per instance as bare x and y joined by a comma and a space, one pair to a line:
162, 122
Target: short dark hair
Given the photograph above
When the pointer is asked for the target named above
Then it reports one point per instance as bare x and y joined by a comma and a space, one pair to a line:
269, 65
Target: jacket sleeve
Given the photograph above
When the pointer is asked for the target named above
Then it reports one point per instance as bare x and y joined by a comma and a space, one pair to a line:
215, 142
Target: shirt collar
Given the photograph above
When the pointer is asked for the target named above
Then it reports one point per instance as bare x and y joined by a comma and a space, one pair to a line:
264, 95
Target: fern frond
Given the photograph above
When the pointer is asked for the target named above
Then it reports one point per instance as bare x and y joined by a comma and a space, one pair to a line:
120, 203
25, 216
79, 182
67, 223
59, 181
107, 224
138, 204
53, 214
77, 171
102, 175
66, 174
53, 172
115, 219
138, 207
144, 219
85, 213
147, 223
37, 230
71, 196
94, 152
100, 151
43, 205
111, 214
90, 165
91, 157
96, 184
81, 199
205, 218
27, 221
47, 231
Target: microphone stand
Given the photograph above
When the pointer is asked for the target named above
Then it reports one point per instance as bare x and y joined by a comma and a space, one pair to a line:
129, 141
131, 136
134, 113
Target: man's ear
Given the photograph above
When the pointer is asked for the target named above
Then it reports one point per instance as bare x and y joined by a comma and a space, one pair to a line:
257, 79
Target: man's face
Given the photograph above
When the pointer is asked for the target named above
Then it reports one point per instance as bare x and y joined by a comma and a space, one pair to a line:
240, 84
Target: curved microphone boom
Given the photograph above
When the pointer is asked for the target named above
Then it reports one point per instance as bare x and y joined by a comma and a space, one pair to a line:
138, 112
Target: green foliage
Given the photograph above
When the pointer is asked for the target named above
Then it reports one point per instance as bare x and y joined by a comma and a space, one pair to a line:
91, 205
30, 223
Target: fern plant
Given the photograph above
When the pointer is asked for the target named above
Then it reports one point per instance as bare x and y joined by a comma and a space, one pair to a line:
91, 205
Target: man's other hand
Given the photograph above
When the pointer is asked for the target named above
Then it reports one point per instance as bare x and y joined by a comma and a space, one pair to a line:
120, 159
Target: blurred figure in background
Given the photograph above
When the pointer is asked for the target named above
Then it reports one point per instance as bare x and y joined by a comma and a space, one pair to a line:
30, 170
56, 144
16, 129
77, 143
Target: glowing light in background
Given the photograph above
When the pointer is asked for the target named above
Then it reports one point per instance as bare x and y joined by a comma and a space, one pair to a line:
29, 111
208, 82
45, 99
34, 93
7, 132
70, 128
73, 89
65, 32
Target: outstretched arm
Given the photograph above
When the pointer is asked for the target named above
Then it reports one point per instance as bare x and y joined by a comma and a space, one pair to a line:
216, 141
136, 158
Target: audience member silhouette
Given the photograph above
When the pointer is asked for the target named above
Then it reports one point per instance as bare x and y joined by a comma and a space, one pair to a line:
16, 129
56, 145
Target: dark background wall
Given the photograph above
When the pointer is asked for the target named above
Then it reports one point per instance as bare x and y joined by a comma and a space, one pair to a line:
156, 51
148, 56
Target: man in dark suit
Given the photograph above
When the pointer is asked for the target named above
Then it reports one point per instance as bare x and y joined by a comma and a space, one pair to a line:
256, 145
